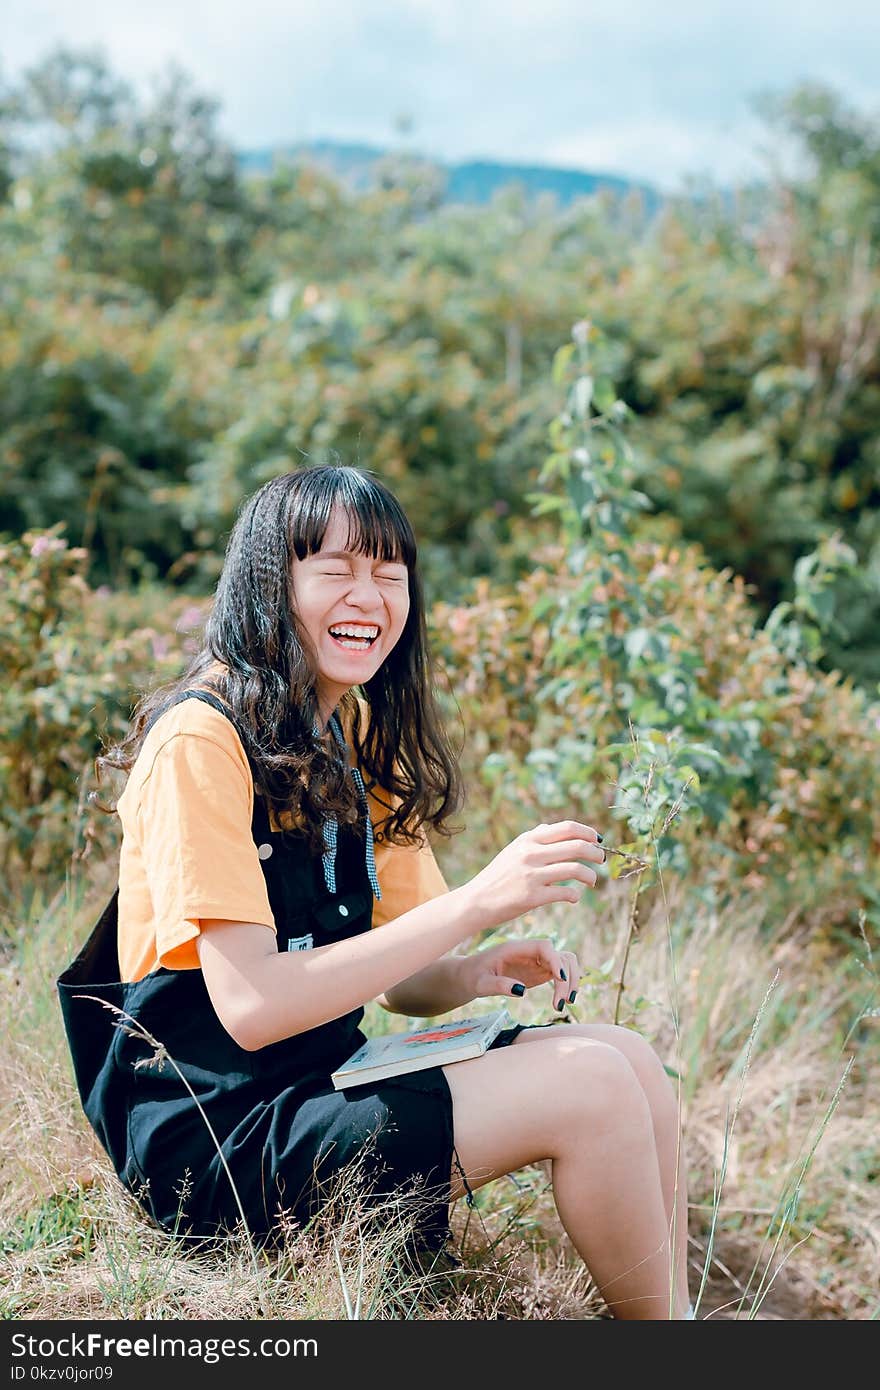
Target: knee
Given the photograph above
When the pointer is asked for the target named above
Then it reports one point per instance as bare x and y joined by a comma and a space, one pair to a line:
607, 1089
649, 1069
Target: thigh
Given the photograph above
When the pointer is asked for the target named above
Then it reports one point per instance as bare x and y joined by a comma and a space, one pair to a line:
635, 1048
509, 1110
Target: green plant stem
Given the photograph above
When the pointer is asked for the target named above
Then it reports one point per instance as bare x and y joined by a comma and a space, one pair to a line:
631, 933
789, 1204
728, 1133
676, 1026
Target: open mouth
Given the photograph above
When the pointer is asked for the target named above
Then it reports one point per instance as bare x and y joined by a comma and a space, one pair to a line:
354, 639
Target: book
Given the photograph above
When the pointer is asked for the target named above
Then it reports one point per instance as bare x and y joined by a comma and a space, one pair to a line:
398, 1053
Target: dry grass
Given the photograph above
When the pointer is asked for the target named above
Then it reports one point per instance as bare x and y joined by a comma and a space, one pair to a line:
794, 1232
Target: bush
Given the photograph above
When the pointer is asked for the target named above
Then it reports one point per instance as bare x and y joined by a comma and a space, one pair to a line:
630, 663
70, 657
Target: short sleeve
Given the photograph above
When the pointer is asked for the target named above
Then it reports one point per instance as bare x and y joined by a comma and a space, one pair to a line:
194, 824
409, 875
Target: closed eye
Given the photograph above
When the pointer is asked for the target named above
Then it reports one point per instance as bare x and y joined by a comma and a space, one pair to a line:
346, 574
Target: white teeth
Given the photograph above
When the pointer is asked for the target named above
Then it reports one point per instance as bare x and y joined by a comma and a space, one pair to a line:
349, 630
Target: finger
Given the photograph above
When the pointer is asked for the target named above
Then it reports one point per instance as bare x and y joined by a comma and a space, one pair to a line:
515, 988
567, 981
566, 830
570, 849
558, 967
574, 976
499, 984
557, 873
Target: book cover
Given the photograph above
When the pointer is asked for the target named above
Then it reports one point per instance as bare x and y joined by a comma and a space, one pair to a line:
397, 1053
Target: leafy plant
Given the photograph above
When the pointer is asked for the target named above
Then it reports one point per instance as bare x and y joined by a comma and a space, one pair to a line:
612, 630
68, 664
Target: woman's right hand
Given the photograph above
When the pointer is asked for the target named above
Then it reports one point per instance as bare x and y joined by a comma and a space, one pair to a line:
528, 872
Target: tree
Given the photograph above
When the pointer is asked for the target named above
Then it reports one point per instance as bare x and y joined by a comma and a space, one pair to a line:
151, 196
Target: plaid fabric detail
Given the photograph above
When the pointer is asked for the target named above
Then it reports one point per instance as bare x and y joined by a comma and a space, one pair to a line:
331, 829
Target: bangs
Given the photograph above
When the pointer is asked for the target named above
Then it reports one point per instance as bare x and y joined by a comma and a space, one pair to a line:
377, 524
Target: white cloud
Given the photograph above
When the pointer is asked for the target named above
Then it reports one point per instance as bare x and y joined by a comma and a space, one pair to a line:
663, 152
635, 88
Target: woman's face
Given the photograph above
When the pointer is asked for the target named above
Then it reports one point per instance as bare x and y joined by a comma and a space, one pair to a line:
335, 588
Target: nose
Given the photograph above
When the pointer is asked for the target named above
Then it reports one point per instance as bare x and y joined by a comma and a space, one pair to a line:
364, 592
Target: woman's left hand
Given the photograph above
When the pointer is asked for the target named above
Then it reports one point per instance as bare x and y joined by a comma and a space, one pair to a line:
514, 966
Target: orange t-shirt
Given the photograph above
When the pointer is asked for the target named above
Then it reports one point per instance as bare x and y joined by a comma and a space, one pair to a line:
188, 852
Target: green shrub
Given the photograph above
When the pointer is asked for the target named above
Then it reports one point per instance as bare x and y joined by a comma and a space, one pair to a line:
71, 660
774, 761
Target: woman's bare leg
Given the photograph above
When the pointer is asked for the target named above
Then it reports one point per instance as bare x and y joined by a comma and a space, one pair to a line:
665, 1117
579, 1103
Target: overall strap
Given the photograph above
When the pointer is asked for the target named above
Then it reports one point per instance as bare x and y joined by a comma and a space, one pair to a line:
204, 695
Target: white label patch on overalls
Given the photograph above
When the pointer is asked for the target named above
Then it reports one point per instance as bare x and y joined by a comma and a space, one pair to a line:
301, 943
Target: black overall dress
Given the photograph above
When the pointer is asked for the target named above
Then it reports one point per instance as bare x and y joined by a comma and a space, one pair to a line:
284, 1131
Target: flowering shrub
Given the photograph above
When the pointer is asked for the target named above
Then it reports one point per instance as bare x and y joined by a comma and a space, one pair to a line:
72, 659
624, 677
797, 789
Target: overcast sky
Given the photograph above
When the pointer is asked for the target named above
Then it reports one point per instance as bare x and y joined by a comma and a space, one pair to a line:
656, 91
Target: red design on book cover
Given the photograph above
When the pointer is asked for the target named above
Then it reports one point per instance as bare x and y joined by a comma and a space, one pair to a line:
439, 1036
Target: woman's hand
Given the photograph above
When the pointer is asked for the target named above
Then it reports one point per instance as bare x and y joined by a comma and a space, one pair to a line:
531, 871
515, 966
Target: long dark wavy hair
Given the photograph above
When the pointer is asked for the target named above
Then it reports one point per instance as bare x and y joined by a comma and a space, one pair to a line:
269, 673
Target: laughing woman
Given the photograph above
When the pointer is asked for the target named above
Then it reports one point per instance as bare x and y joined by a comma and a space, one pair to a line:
275, 810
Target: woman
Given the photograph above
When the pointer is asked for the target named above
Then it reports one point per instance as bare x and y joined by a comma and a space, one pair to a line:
239, 937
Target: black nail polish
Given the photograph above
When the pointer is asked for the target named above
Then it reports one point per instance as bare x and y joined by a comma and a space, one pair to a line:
518, 989
573, 996
561, 1005
563, 976
600, 838
604, 855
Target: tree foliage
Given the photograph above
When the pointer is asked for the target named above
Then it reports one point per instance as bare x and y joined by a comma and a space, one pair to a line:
627, 683
172, 334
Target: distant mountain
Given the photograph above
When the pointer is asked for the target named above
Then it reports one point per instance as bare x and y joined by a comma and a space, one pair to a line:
360, 167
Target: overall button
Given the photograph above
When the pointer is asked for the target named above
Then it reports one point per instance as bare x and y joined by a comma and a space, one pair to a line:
265, 851
340, 914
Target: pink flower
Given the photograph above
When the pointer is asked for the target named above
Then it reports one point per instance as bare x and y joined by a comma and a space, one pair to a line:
192, 616
43, 544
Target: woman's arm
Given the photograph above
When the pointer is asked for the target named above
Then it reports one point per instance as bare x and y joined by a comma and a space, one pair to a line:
262, 995
436, 989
